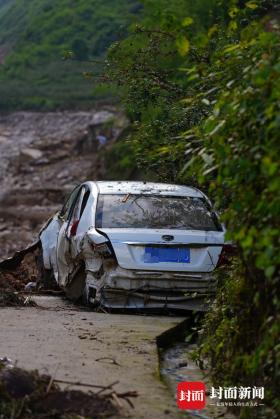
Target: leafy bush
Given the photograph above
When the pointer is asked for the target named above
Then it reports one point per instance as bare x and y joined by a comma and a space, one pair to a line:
203, 98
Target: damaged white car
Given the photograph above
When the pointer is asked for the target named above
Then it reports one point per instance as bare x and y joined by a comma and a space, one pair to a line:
134, 245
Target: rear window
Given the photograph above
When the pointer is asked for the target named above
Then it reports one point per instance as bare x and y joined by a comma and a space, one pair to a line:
156, 212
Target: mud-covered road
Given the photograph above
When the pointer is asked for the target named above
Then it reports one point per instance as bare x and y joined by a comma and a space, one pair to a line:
95, 348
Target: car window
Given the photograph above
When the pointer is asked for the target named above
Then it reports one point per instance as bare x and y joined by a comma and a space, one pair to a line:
84, 202
151, 211
68, 204
80, 204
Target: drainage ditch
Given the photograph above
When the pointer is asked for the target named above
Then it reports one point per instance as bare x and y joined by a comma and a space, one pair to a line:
176, 364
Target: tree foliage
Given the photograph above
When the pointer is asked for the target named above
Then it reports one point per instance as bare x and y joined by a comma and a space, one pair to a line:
33, 37
200, 82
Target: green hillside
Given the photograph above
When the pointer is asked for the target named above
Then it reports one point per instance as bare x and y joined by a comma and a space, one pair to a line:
34, 34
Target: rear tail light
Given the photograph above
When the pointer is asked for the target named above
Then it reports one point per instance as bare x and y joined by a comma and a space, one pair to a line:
104, 248
228, 251
74, 227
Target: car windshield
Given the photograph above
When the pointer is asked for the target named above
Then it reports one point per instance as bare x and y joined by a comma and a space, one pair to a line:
154, 211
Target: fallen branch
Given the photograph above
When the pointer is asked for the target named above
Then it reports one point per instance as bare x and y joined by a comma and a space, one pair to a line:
116, 396
78, 383
52, 379
126, 396
107, 387
117, 400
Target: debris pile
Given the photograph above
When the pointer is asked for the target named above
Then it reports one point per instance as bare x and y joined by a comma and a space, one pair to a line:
9, 291
21, 274
20, 270
30, 395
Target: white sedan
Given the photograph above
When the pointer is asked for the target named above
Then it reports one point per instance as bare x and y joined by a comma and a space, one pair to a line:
134, 245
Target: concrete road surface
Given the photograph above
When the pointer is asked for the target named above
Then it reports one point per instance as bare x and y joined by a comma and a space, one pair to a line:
98, 348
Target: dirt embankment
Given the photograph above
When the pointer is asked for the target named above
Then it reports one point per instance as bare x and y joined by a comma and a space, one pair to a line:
42, 157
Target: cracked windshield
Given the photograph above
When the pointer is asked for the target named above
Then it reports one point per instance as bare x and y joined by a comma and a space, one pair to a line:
143, 211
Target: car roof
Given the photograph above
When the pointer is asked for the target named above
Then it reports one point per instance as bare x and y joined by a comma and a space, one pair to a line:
133, 187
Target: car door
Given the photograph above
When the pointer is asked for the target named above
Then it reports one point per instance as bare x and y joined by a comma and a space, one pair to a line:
67, 244
79, 223
50, 232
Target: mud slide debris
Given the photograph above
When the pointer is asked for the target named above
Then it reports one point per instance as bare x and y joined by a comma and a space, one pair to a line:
30, 395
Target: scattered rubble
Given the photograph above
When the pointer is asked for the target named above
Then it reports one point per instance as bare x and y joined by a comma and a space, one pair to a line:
20, 276
9, 296
28, 154
15, 273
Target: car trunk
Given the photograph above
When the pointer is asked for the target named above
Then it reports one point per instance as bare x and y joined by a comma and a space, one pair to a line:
166, 250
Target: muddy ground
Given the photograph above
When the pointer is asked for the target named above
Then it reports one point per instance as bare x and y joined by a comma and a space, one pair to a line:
76, 345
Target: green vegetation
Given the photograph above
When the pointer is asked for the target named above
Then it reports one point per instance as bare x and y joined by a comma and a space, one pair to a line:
34, 36
201, 84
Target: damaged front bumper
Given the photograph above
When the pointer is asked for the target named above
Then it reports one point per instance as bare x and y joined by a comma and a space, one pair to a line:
120, 288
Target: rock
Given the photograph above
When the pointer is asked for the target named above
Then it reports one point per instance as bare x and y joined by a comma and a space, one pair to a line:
63, 174
30, 154
42, 161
